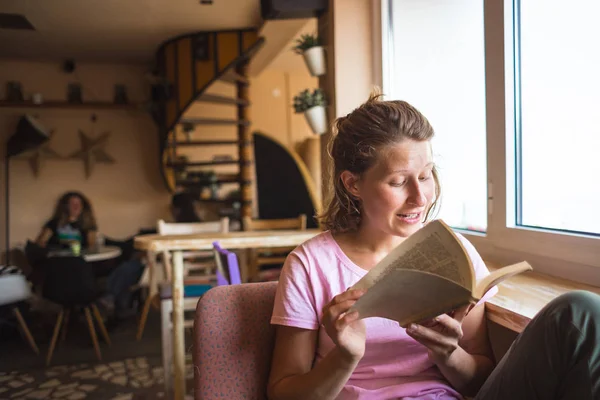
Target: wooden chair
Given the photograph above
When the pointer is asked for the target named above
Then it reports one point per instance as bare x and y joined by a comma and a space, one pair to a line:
15, 290
227, 273
70, 282
206, 264
260, 257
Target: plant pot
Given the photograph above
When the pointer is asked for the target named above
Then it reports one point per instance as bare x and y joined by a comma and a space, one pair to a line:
317, 119
315, 60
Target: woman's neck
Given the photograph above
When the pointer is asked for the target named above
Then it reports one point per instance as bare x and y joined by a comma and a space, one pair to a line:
376, 241
369, 240
366, 247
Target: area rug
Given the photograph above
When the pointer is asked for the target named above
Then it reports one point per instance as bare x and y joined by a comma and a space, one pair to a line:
129, 379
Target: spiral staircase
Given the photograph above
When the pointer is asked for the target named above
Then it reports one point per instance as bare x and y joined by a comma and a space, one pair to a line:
188, 67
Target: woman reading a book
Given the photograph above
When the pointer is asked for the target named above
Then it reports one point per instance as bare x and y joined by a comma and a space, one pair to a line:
385, 188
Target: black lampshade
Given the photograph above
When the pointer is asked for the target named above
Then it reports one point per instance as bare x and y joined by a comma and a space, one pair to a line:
28, 136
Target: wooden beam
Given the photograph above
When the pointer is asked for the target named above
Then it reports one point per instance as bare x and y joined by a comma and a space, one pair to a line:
279, 36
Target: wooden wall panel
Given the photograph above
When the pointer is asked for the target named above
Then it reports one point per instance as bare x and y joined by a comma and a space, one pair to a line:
185, 82
172, 109
228, 48
205, 70
248, 39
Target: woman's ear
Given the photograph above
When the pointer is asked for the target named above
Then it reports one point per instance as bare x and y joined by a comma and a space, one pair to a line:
350, 181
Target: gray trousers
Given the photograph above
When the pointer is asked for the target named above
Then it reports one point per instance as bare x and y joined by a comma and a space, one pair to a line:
557, 356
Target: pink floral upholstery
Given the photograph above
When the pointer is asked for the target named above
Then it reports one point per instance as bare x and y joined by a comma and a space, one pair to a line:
233, 341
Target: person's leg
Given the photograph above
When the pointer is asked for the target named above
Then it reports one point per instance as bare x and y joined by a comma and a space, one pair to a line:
121, 280
129, 274
556, 357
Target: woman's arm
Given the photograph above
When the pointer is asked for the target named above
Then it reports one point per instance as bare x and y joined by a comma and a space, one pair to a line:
44, 236
462, 352
292, 373
91, 239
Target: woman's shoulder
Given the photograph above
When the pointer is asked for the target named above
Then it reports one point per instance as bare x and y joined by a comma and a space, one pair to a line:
481, 269
314, 251
471, 251
52, 223
317, 244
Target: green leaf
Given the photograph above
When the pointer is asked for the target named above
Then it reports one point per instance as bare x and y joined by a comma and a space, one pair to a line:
305, 42
305, 100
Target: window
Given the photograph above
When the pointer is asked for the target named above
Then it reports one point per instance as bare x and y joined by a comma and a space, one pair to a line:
557, 132
513, 91
437, 65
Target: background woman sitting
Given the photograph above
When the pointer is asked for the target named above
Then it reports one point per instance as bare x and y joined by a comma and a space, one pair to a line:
73, 220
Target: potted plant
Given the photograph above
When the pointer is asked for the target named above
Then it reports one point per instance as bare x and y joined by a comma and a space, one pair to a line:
313, 106
179, 167
314, 54
188, 128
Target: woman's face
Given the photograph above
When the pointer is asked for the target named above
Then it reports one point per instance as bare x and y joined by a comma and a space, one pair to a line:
75, 206
397, 191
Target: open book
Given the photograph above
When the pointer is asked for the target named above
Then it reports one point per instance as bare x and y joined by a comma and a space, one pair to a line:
428, 274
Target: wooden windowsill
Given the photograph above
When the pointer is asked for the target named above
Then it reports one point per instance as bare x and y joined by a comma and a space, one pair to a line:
521, 297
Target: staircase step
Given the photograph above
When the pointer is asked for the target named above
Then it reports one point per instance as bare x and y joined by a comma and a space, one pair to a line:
202, 163
204, 143
213, 121
197, 183
215, 98
221, 201
233, 77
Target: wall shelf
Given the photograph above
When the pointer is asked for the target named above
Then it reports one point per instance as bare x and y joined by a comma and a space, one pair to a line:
191, 183
91, 105
214, 121
203, 143
202, 163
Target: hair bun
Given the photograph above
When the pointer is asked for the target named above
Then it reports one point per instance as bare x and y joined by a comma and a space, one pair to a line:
375, 95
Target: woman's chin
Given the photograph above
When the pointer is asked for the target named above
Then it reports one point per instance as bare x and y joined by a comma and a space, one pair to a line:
407, 230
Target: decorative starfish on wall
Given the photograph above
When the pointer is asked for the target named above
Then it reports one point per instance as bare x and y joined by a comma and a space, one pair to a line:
92, 151
37, 156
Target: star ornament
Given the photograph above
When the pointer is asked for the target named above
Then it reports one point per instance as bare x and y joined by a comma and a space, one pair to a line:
92, 151
39, 155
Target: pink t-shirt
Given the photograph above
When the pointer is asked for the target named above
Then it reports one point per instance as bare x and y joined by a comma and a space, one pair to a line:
394, 366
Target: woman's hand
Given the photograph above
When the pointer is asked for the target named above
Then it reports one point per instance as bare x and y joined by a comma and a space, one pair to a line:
441, 334
345, 329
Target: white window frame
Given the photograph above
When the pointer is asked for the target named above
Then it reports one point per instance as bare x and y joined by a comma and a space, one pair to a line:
573, 256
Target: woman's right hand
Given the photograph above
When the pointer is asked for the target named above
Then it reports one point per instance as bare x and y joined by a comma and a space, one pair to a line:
345, 329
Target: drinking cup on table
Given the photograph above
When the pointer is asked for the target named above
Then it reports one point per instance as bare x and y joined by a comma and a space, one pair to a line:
76, 248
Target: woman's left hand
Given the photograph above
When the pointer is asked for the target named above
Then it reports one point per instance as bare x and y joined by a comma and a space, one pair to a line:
440, 335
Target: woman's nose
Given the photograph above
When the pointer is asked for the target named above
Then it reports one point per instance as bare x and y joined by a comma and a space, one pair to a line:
417, 195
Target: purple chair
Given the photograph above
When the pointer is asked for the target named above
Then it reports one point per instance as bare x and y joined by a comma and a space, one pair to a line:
228, 269
233, 341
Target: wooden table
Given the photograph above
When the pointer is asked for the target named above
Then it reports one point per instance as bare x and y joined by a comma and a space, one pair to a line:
522, 296
231, 241
102, 254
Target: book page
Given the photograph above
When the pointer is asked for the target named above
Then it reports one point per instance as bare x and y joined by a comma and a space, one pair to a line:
498, 276
434, 249
410, 296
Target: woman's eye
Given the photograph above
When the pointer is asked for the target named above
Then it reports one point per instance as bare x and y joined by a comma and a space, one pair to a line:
398, 184
426, 176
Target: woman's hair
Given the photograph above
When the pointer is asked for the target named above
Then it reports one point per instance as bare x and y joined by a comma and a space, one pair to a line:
358, 139
86, 219
184, 203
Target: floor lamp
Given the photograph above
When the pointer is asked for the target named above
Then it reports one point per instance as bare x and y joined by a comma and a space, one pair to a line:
28, 136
